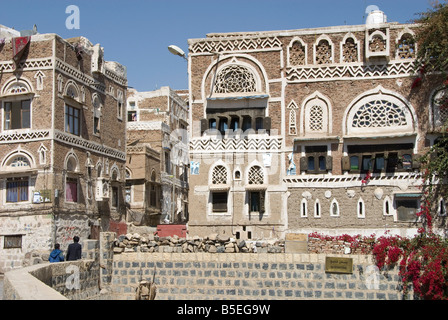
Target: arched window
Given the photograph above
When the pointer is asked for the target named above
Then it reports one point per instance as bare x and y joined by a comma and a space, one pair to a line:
350, 50
71, 179
255, 175
96, 114
360, 209
439, 104
17, 187
317, 213
304, 208
17, 105
379, 112
387, 206
334, 208
297, 54
235, 79
406, 47
219, 175
323, 52
316, 114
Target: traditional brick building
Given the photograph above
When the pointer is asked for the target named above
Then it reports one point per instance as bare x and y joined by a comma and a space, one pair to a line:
62, 143
308, 130
157, 157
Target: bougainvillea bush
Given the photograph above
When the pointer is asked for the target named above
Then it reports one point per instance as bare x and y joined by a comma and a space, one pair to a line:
422, 260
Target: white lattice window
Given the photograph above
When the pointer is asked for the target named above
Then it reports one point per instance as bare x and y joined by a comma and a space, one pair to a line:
440, 107
235, 79
350, 51
323, 53
255, 175
377, 44
219, 175
379, 114
297, 56
406, 47
292, 122
316, 118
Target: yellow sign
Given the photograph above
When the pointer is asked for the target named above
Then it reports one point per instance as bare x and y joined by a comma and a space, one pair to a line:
338, 265
296, 236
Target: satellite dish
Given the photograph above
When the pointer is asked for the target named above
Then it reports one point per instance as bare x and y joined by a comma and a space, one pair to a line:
176, 51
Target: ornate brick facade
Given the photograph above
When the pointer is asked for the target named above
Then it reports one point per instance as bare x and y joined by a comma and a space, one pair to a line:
62, 143
326, 115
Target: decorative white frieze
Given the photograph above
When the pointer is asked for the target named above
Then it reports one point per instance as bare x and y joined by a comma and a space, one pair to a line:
353, 180
349, 71
11, 137
27, 65
250, 144
88, 145
235, 44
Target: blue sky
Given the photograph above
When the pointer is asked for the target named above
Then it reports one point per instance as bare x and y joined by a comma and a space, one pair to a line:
136, 33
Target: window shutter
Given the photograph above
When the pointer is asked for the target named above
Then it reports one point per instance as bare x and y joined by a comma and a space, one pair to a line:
346, 163
267, 123
262, 197
303, 163
329, 162
204, 125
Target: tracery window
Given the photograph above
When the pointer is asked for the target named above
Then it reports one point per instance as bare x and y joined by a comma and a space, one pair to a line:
219, 175
292, 122
19, 162
323, 52
406, 47
235, 79
255, 175
440, 107
297, 54
316, 118
379, 114
350, 51
377, 44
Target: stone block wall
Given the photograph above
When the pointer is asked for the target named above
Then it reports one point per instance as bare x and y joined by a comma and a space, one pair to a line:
199, 276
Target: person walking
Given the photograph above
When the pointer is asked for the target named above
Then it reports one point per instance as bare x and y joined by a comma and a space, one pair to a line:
56, 255
74, 250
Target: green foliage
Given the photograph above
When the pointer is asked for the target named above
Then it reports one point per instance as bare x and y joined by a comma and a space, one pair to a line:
432, 38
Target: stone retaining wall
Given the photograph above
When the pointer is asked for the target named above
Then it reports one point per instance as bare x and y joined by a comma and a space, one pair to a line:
199, 276
53, 281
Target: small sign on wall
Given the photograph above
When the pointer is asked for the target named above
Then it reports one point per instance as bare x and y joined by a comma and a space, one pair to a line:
338, 265
42, 196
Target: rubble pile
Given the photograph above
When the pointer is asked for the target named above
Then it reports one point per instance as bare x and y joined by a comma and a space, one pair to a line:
213, 244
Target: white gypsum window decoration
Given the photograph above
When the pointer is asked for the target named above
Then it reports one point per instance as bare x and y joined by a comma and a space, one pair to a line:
292, 122
235, 79
406, 47
219, 175
440, 106
323, 52
350, 50
297, 54
316, 118
379, 114
255, 175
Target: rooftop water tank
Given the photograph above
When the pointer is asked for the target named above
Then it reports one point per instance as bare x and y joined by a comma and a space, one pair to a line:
375, 15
